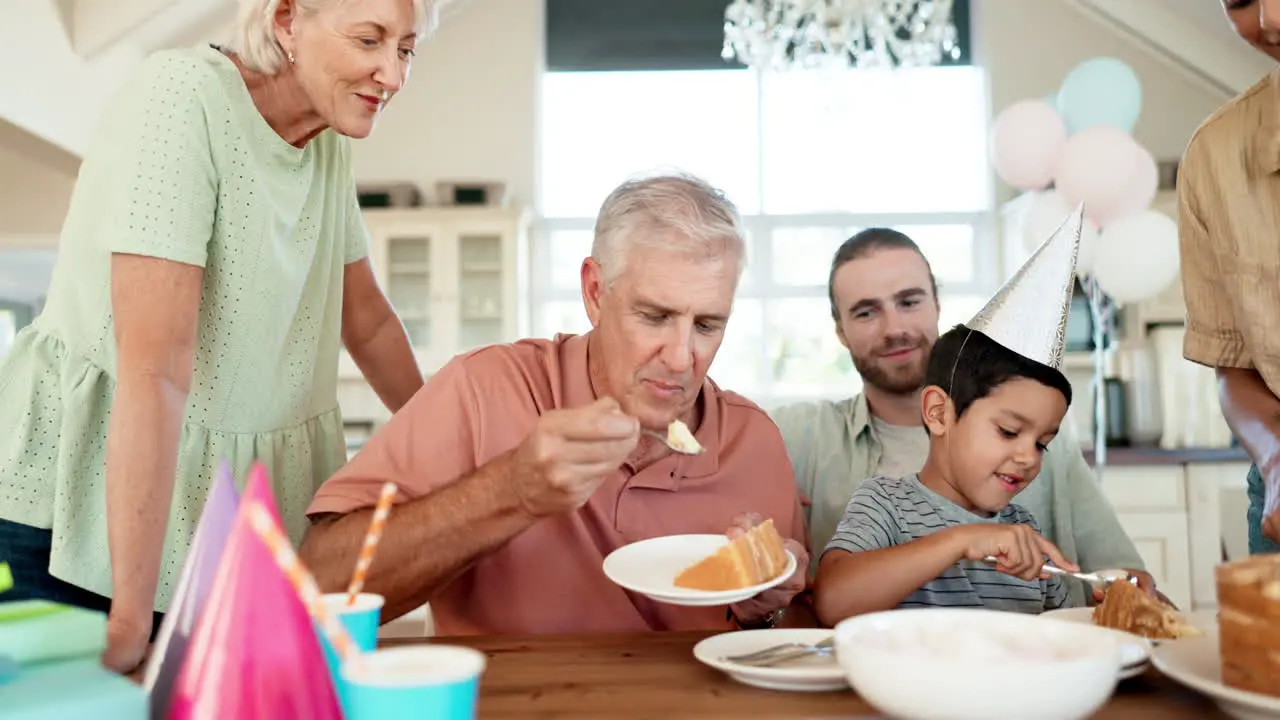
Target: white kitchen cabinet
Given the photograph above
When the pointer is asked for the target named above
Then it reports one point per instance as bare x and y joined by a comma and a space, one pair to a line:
1218, 503
455, 275
1151, 504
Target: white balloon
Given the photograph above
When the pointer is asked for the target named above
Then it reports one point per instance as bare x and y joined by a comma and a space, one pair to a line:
1137, 256
1087, 257
1045, 213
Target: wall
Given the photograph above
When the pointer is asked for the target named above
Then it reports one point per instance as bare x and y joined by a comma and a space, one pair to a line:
470, 109
35, 188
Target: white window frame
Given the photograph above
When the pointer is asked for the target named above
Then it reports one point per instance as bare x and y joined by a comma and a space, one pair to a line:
986, 263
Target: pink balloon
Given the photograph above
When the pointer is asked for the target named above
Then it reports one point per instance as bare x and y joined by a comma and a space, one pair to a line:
1027, 139
1098, 167
1141, 189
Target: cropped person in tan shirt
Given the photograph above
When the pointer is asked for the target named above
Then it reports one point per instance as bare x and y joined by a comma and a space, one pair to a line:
1229, 222
522, 466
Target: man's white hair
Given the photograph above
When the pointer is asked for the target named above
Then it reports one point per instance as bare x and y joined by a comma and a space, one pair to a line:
254, 37
671, 211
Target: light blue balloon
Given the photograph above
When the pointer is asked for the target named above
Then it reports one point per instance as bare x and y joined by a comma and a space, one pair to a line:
1100, 91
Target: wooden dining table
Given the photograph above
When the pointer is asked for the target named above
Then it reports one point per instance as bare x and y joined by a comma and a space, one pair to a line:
654, 675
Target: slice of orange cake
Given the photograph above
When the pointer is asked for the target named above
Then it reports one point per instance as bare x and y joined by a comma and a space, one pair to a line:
752, 558
1126, 607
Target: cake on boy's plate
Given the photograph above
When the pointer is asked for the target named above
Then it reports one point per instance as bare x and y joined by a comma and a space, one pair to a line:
1128, 608
703, 570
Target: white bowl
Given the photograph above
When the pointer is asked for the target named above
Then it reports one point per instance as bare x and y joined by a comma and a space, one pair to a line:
975, 664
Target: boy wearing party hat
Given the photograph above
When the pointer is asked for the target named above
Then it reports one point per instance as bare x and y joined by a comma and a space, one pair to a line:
950, 535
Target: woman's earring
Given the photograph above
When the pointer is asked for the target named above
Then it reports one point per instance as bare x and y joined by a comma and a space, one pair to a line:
290, 58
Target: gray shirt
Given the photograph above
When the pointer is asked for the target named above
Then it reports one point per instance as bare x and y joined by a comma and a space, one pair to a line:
885, 512
904, 448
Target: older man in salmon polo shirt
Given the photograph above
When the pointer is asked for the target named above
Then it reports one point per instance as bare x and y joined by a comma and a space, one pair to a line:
522, 466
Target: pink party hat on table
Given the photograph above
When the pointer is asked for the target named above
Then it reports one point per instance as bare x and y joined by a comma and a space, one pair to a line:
254, 654
193, 589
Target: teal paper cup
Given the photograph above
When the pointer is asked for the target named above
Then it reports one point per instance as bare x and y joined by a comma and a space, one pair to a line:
441, 682
361, 621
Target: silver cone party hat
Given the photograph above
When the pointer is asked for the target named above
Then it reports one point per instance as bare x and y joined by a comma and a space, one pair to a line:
1029, 314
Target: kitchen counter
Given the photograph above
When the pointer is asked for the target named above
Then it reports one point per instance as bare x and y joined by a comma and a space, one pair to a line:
1161, 456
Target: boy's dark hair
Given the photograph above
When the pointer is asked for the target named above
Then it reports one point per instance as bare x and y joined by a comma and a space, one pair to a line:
863, 244
984, 365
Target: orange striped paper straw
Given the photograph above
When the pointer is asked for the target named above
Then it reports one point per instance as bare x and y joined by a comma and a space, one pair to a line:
371, 538
282, 552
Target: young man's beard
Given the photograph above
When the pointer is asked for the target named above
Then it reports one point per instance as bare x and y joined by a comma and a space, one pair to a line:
901, 379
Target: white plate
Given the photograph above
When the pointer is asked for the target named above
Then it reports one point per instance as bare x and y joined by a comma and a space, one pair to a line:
1135, 651
810, 675
649, 567
1194, 662
1206, 621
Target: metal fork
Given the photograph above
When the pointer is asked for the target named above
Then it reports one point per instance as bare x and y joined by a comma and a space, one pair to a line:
1102, 578
663, 439
782, 653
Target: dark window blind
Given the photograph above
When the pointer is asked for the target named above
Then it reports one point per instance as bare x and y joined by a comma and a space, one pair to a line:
611, 35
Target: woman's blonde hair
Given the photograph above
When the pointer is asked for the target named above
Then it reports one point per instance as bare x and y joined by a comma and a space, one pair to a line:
254, 37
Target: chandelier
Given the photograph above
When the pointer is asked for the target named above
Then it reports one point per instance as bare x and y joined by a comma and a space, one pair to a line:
811, 34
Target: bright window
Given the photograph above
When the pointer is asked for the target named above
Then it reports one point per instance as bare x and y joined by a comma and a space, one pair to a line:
912, 141
598, 128
810, 159
8, 329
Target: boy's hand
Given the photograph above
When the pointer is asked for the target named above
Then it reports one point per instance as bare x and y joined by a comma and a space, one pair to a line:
1018, 550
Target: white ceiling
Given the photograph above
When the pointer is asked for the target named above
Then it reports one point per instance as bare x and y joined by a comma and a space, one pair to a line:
1208, 14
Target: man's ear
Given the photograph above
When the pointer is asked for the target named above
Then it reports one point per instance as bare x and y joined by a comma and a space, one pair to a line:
593, 289
937, 409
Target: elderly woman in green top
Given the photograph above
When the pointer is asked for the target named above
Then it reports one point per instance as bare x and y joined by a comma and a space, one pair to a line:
213, 259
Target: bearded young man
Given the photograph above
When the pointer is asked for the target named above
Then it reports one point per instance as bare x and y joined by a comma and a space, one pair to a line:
884, 300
